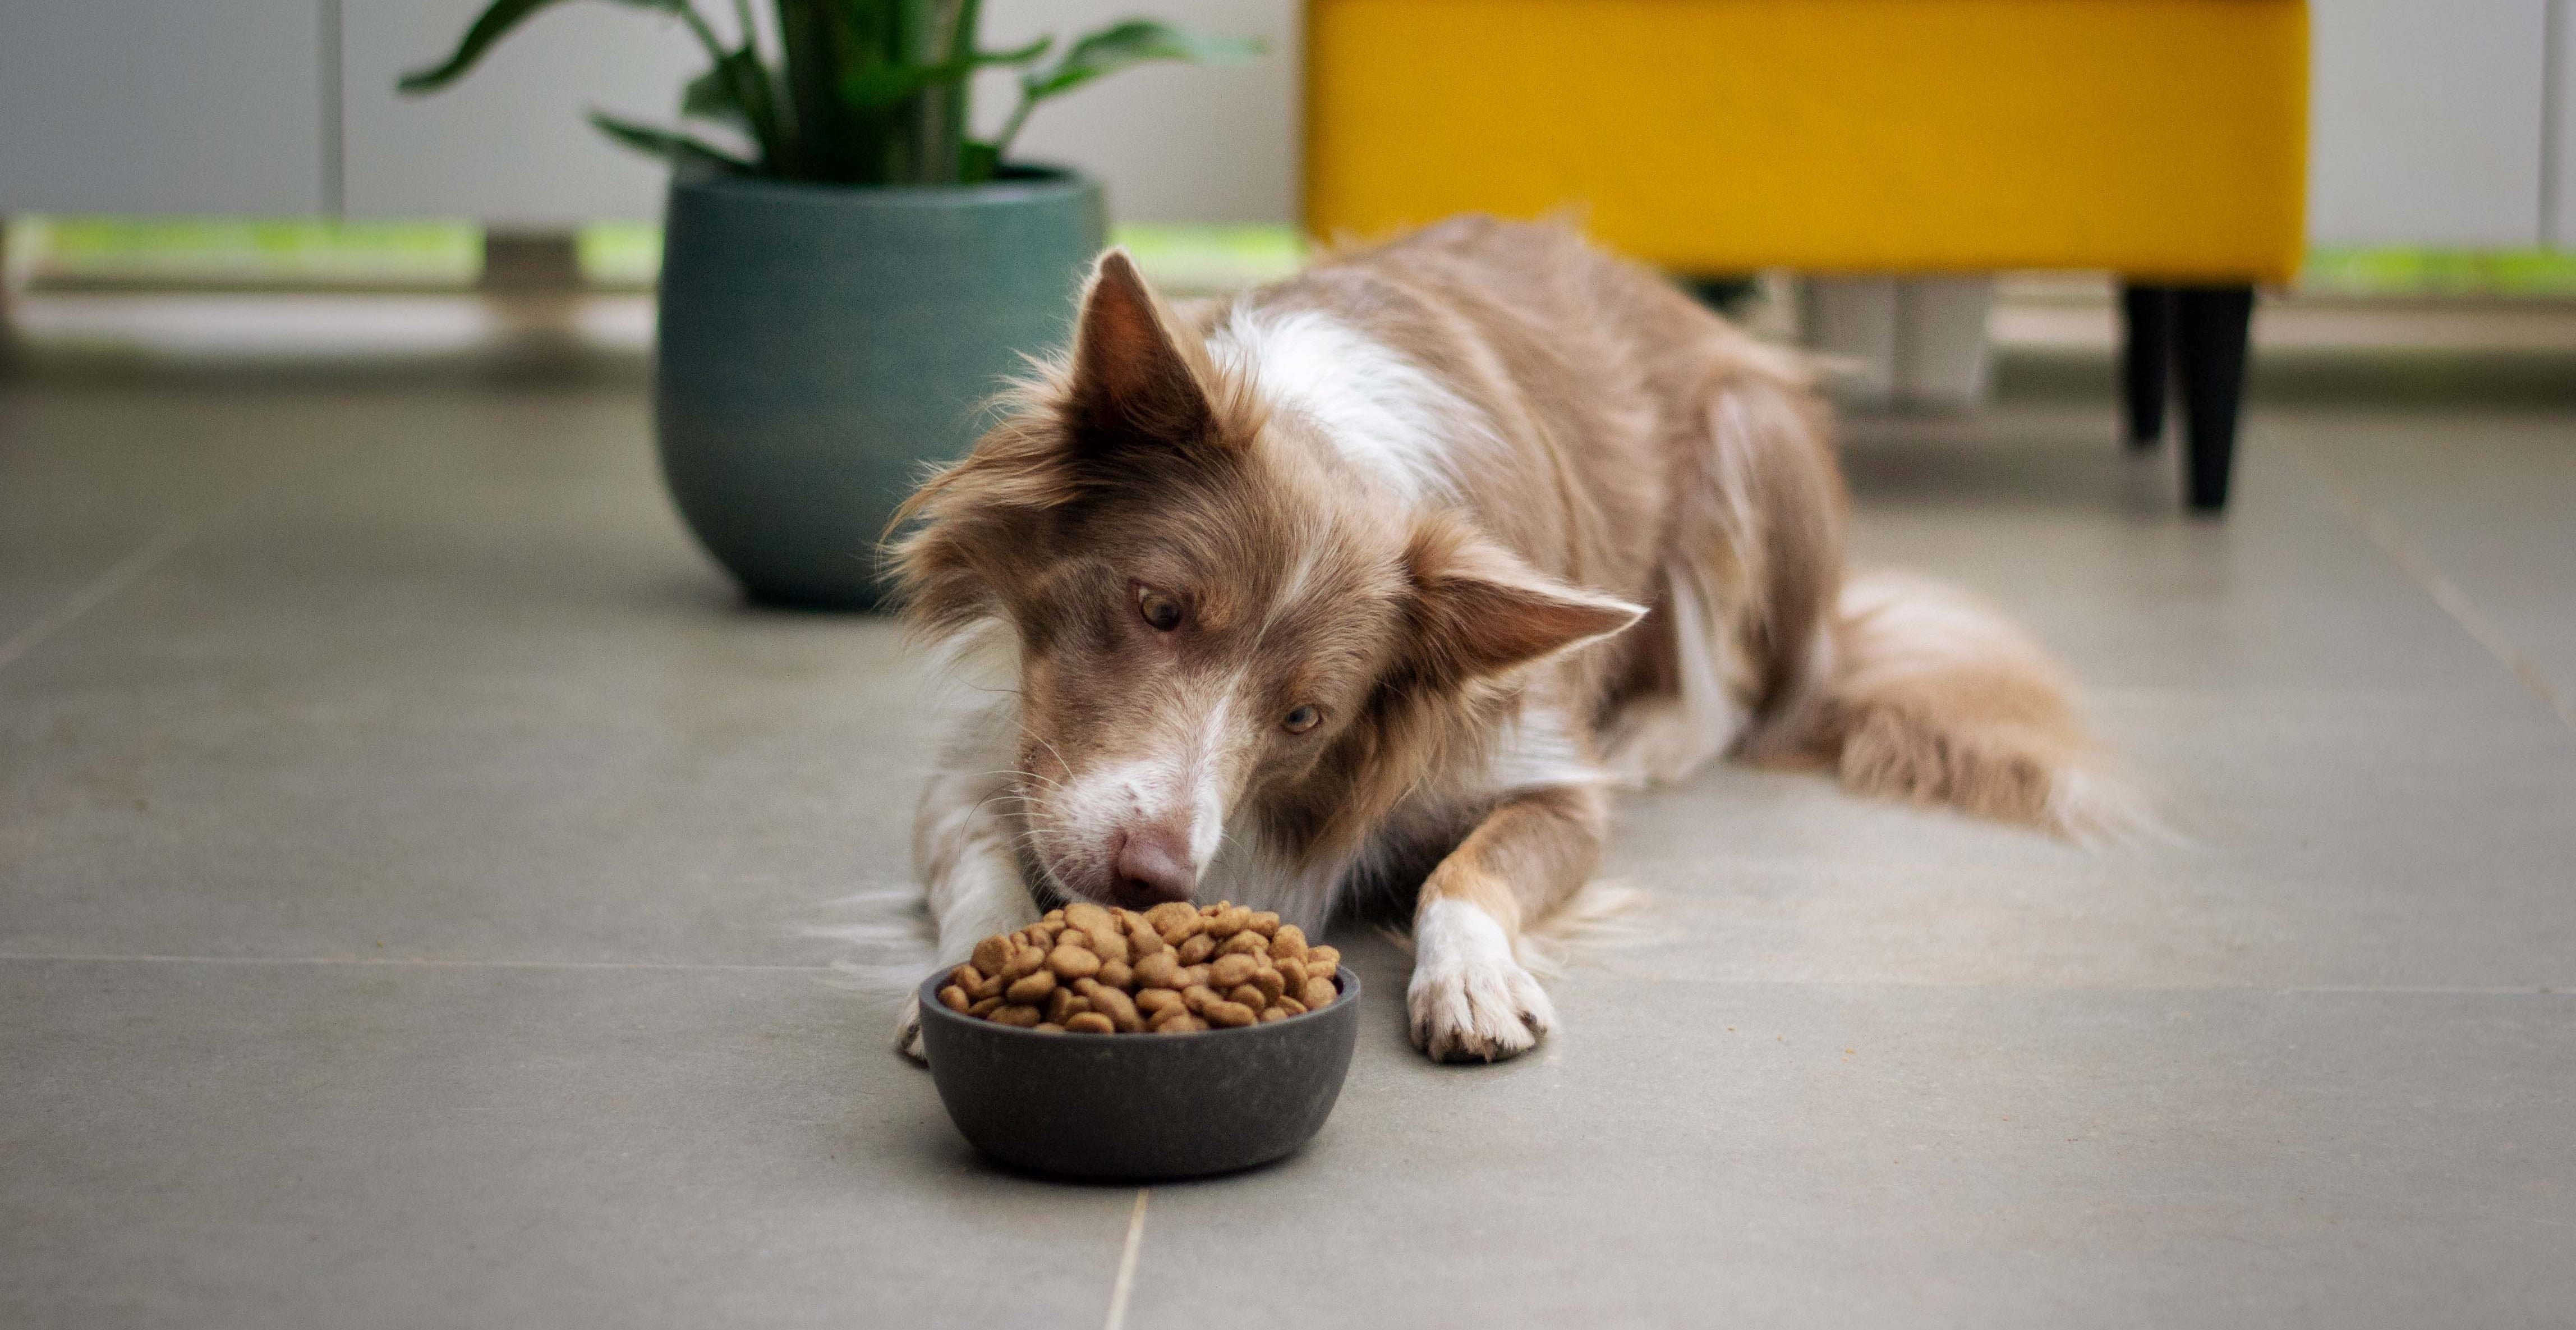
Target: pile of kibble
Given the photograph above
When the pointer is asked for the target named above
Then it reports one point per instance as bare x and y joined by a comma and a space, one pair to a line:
1173, 969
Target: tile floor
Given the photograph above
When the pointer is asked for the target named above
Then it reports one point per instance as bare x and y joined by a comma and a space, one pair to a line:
410, 857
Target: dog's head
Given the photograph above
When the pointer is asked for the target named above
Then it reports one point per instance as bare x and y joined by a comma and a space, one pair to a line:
1220, 624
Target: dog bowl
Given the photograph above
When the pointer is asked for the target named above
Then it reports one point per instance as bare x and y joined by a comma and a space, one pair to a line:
1140, 1106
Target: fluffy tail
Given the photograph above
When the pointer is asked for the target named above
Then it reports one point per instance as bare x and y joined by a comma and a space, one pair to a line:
1933, 698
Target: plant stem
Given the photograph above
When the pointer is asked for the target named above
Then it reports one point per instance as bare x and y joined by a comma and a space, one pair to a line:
829, 142
1011, 127
962, 39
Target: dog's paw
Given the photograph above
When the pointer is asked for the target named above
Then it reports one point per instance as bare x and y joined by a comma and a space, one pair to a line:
1469, 1000
907, 1031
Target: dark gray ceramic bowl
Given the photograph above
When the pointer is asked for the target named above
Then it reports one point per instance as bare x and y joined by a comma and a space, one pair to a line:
1140, 1106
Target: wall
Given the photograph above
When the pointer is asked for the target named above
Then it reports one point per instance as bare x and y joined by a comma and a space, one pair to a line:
2428, 121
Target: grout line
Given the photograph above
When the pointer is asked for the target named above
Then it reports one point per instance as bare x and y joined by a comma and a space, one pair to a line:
1650, 974
1127, 1264
1137, 1227
2444, 592
404, 962
106, 584
2553, 102
418, 963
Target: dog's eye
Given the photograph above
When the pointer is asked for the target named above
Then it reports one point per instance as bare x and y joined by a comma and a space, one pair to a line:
1302, 720
1162, 613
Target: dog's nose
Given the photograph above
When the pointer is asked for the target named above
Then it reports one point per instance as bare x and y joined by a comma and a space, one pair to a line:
1152, 865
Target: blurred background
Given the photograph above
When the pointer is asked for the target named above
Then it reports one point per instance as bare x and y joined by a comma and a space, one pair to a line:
259, 146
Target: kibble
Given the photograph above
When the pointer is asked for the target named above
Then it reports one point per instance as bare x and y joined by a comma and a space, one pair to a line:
1174, 969
1228, 1014
1160, 970
1232, 970
1071, 960
1032, 988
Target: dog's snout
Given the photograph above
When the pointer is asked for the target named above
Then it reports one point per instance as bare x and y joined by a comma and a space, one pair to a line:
1152, 865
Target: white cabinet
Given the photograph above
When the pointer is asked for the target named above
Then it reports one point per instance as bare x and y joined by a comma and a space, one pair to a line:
163, 106
1172, 143
259, 107
2427, 120
507, 143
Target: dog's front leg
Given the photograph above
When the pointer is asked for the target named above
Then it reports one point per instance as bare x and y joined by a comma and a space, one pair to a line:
1470, 998
962, 839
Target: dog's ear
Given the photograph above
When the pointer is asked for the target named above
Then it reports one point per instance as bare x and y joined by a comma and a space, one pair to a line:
1134, 379
1481, 610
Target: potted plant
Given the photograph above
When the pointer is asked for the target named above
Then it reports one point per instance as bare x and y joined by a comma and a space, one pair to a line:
847, 271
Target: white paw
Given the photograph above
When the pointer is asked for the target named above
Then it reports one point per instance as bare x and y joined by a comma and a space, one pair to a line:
907, 1031
1469, 1000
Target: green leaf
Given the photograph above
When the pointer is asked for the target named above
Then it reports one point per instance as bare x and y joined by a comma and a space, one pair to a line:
878, 86
710, 96
1124, 45
494, 24
1021, 56
670, 145
735, 92
977, 162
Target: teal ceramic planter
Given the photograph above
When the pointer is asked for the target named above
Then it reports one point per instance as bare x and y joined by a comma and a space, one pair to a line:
821, 345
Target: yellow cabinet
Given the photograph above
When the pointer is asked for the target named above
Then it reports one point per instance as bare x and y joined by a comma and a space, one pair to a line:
2163, 139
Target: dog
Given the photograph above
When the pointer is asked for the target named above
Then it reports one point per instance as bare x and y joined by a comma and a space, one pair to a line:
1378, 580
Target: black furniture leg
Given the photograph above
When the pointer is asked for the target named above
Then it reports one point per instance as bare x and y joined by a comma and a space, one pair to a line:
2210, 326
2146, 355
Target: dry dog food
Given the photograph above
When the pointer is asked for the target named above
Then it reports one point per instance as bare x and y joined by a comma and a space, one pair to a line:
1175, 968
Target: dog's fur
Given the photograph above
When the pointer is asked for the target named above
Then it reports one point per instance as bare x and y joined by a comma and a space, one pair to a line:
1517, 519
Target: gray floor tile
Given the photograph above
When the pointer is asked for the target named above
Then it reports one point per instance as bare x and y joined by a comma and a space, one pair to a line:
443, 683
208, 1145
460, 690
90, 478
2039, 511
2326, 838
2485, 502
1697, 1153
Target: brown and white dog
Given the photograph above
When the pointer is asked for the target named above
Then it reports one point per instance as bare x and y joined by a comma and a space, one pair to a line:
1379, 578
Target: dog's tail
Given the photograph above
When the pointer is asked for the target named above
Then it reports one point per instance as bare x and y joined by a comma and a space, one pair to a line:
1931, 697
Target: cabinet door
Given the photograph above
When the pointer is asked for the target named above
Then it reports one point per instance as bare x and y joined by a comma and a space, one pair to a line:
507, 143
1172, 143
162, 106
2427, 122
